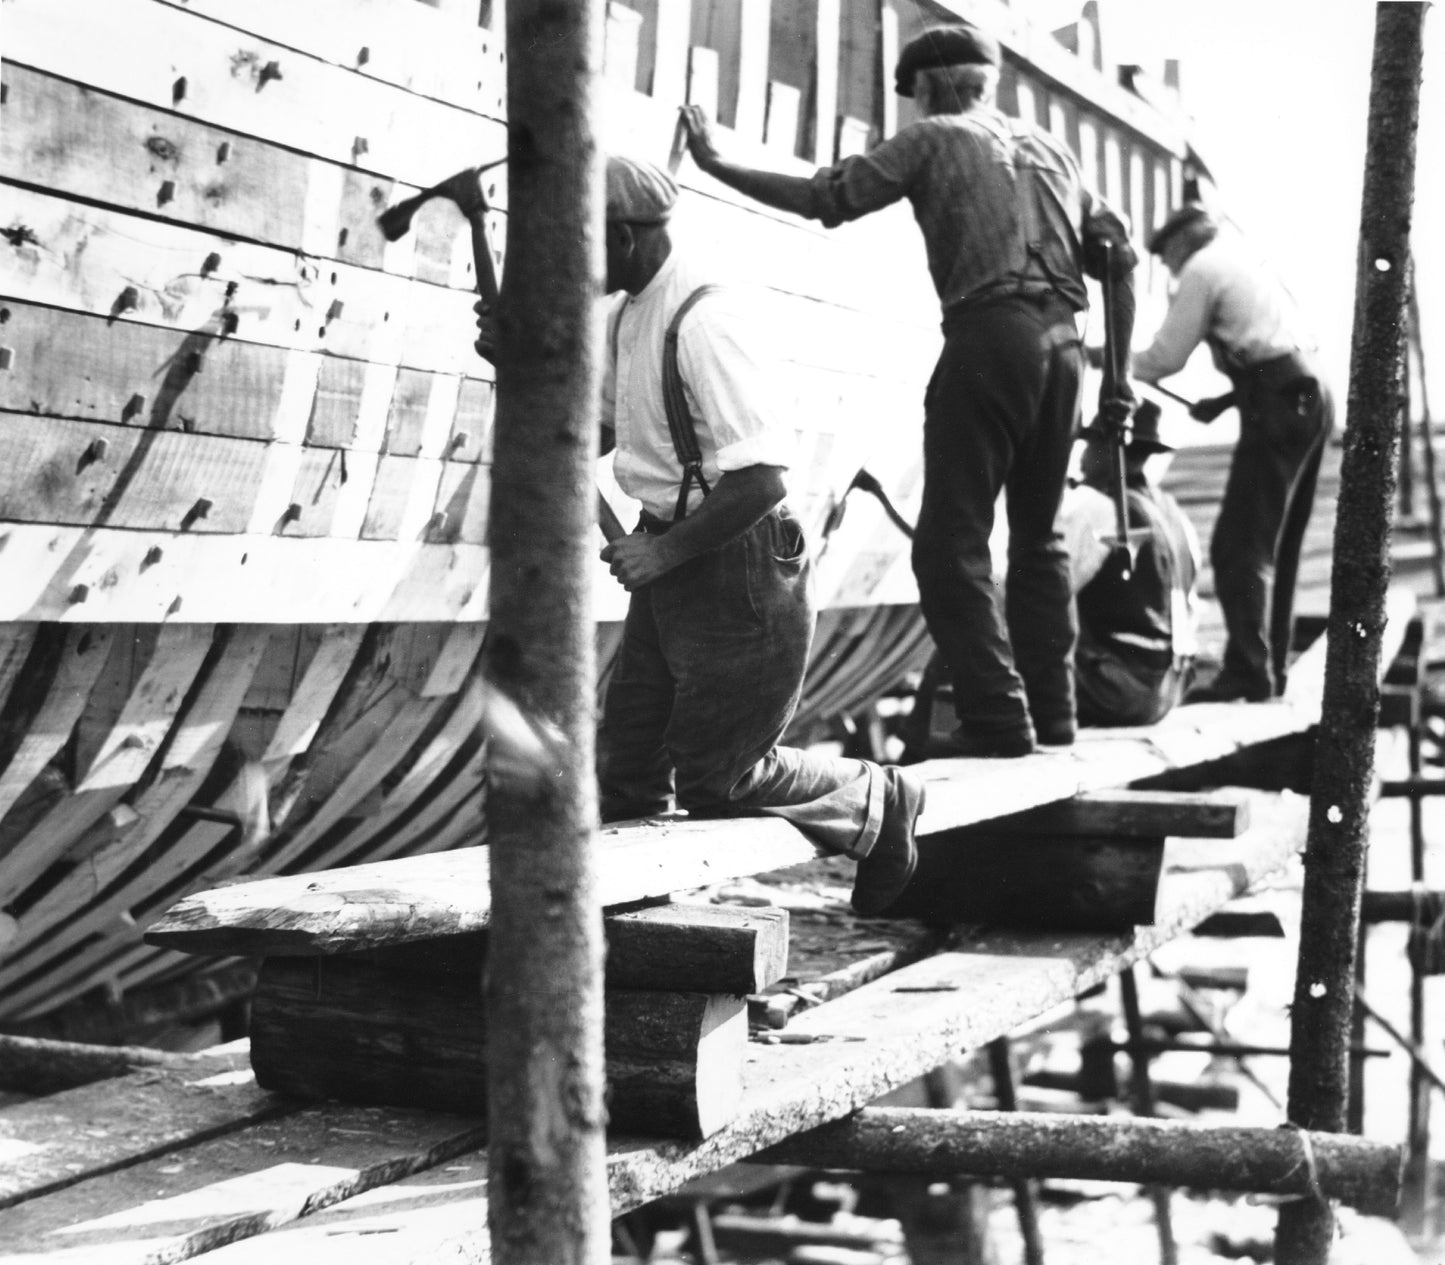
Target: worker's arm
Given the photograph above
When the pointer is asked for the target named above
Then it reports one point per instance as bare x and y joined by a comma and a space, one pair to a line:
738, 500
772, 188
1184, 327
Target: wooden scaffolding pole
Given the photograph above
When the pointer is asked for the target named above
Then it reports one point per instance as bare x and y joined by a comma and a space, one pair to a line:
1344, 752
547, 1198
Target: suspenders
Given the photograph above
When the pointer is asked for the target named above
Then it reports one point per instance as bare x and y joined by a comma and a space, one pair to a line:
679, 417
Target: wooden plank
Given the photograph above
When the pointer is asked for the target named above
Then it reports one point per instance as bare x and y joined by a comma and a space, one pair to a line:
825, 80
1220, 814
754, 21
124, 267
146, 478
315, 691
780, 133
409, 137
36, 1065
187, 761
435, 52
135, 576
83, 657
331, 911
16, 641
82, 366
66, 1138
179, 1206
698, 948
670, 70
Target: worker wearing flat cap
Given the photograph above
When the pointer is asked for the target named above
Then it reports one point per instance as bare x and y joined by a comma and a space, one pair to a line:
1010, 231
1225, 296
720, 619
1138, 613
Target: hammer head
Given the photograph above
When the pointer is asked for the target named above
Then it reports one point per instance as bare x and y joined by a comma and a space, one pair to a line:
461, 187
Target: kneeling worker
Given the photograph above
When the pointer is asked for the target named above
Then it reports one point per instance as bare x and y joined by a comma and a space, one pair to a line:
720, 620
1137, 624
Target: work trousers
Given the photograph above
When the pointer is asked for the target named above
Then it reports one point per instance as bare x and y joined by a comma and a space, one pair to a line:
1285, 416
1114, 691
1001, 413
706, 681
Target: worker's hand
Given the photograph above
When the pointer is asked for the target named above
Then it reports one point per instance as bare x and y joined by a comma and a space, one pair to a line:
700, 143
486, 344
1206, 410
638, 560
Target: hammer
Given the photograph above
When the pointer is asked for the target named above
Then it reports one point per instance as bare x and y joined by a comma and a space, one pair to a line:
463, 189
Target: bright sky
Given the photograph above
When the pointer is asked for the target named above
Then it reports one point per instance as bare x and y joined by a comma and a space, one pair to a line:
1279, 90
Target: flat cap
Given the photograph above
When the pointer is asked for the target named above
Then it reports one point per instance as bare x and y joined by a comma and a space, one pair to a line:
638, 191
1187, 216
960, 45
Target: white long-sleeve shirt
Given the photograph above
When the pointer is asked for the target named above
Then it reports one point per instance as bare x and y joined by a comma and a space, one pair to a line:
1227, 297
727, 389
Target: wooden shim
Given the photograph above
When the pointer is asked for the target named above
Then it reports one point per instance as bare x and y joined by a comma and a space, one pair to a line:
68, 1137
175, 1207
425, 897
83, 657
1219, 814
346, 1028
1355, 1171
1087, 883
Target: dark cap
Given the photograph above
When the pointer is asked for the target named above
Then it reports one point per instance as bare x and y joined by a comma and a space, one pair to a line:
1187, 216
638, 192
960, 45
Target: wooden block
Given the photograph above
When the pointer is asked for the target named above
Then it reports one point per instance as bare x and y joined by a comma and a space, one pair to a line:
685, 948
697, 948
1099, 883
344, 1027
1220, 814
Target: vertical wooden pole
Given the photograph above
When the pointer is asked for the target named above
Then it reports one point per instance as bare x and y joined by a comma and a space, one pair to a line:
1344, 751
547, 1197
1142, 1092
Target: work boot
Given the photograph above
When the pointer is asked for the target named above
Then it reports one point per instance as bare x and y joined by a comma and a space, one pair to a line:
885, 871
1229, 688
1005, 744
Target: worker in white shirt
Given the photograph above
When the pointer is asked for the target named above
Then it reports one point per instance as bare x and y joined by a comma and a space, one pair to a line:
720, 619
1225, 297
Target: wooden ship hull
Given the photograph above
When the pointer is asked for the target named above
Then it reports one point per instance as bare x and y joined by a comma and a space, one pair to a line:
244, 447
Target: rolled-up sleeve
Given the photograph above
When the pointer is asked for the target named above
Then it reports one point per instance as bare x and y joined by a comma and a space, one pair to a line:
867, 182
1184, 327
729, 389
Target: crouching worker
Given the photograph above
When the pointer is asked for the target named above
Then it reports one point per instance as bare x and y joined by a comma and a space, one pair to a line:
1137, 624
720, 621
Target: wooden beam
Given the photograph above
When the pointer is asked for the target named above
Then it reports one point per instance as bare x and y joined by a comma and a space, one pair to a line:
1087, 883
347, 1028
1221, 814
34, 1065
1353, 1170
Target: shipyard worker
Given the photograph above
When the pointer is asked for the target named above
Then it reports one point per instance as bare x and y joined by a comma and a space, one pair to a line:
720, 619
1009, 231
1138, 622
1224, 296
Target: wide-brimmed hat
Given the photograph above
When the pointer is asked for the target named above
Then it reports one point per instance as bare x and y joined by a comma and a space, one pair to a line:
1144, 437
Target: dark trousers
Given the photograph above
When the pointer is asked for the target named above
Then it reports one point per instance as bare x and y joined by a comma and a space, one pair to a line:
1114, 691
1285, 416
705, 682
1001, 413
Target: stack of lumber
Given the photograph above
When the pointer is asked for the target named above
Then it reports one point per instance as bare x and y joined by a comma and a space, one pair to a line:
402, 1025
